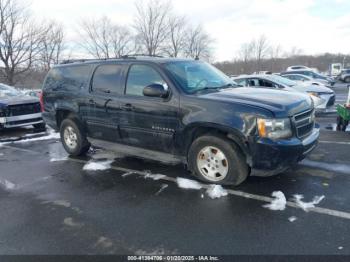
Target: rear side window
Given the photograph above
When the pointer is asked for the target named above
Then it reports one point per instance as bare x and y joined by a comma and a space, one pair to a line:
141, 76
106, 79
68, 78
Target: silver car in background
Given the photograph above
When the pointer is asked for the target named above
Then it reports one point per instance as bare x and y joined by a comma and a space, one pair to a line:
323, 97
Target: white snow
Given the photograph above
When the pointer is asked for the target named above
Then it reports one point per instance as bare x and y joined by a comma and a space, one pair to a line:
216, 191
307, 205
341, 168
51, 135
279, 203
1, 154
58, 159
128, 174
188, 183
98, 166
340, 248
164, 186
155, 177
7, 184
292, 219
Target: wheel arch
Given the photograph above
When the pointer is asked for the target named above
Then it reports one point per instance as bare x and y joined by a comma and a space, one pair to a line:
192, 132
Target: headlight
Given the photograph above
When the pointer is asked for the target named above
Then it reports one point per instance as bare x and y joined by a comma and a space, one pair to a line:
275, 128
314, 94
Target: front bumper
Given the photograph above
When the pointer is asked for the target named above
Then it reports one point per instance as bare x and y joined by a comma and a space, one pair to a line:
273, 157
18, 121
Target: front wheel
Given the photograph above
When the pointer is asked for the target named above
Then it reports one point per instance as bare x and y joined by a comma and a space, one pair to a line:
73, 138
215, 159
347, 79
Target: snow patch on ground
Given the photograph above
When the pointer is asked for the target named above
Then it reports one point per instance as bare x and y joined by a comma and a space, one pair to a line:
51, 135
155, 177
128, 174
98, 166
164, 186
341, 168
7, 184
279, 203
58, 159
307, 205
188, 183
216, 191
1, 154
292, 219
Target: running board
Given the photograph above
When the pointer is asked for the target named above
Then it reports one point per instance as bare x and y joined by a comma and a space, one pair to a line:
138, 152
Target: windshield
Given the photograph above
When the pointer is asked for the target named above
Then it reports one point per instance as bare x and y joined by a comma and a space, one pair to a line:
282, 80
6, 90
194, 76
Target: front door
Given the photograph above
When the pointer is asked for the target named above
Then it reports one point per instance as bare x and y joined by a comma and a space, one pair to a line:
148, 122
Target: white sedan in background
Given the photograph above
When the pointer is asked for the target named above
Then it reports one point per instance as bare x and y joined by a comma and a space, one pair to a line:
323, 97
306, 80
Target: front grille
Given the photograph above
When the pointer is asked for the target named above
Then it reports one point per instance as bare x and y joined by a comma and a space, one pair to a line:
331, 101
23, 109
21, 122
304, 123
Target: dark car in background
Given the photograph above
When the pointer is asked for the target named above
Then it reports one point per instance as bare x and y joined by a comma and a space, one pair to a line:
179, 109
312, 74
344, 75
17, 109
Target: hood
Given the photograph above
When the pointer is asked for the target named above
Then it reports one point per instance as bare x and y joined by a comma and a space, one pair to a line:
280, 103
16, 100
309, 87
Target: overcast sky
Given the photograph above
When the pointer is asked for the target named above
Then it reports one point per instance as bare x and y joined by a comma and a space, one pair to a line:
315, 26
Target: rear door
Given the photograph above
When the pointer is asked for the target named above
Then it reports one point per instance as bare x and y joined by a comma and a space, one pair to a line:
148, 122
103, 102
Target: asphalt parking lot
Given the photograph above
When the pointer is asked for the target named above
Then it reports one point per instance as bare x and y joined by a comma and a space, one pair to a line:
50, 205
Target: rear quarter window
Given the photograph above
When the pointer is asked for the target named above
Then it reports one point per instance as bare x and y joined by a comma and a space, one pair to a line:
68, 78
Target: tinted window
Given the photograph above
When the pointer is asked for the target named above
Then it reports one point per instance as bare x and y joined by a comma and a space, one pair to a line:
141, 76
68, 77
106, 79
253, 82
241, 82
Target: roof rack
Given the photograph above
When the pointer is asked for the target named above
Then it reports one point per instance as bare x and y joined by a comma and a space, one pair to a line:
133, 56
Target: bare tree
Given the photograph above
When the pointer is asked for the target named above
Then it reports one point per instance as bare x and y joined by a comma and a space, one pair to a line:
53, 45
151, 24
104, 39
176, 42
262, 49
20, 40
199, 43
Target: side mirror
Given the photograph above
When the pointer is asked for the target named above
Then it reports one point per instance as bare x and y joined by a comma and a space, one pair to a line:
155, 90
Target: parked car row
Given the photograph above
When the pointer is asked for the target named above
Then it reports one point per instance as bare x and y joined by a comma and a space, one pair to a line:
322, 96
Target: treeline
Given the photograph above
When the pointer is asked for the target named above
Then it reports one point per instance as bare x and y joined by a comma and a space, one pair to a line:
29, 47
261, 55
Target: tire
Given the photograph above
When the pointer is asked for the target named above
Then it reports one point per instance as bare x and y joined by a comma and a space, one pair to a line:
231, 171
41, 126
73, 137
347, 79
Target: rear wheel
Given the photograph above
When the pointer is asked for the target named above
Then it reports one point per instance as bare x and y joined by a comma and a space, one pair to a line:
73, 137
215, 159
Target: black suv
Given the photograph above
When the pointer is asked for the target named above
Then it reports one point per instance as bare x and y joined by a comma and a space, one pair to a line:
175, 110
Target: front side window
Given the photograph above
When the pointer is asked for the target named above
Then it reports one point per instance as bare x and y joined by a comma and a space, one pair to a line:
106, 79
141, 76
195, 76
